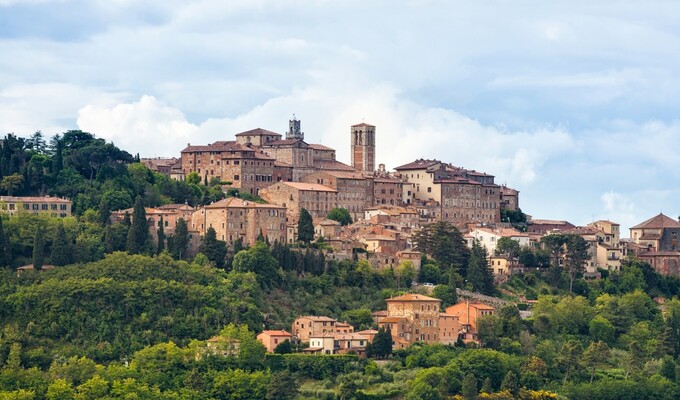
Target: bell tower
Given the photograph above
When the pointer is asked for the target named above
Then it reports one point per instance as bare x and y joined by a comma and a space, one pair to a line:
294, 131
363, 147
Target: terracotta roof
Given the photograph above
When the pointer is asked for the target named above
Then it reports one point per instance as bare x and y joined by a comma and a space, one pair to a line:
316, 146
235, 202
549, 222
345, 174
276, 333
332, 165
418, 164
392, 319
309, 186
658, 222
318, 318
284, 142
217, 146
282, 164
413, 297
363, 124
32, 199
258, 132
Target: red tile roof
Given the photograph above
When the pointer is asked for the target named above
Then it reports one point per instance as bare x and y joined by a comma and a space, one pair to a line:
320, 147
418, 164
413, 297
276, 333
364, 124
332, 165
258, 132
658, 222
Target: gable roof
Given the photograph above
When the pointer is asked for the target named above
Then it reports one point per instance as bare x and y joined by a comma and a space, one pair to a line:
235, 202
418, 164
258, 132
413, 297
658, 222
314, 187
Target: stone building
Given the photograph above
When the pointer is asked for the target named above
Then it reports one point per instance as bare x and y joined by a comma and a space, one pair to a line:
656, 242
468, 314
363, 147
659, 233
246, 167
413, 318
509, 198
54, 206
355, 191
234, 218
547, 226
461, 196
315, 198
271, 339
387, 189
307, 326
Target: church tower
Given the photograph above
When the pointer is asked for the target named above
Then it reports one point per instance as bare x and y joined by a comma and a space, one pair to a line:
294, 131
363, 147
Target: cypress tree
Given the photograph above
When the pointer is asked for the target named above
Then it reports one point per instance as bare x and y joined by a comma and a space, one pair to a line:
469, 387
38, 249
180, 242
61, 250
138, 235
161, 238
105, 212
305, 226
5, 249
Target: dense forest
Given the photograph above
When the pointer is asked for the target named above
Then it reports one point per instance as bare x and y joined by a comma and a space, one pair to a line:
123, 318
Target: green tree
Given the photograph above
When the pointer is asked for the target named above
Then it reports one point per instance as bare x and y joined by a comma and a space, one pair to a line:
61, 248
601, 329
597, 354
469, 389
510, 383
479, 275
382, 343
487, 386
507, 247
341, 215
569, 357
60, 390
282, 386
215, 250
443, 242
180, 241
138, 236
161, 237
39, 249
305, 226
5, 249
258, 259
12, 184
284, 347
446, 294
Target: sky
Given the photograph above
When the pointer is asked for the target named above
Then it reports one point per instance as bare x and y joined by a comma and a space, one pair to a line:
573, 103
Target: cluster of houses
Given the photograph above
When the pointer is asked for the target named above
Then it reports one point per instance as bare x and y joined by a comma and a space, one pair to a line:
411, 318
387, 207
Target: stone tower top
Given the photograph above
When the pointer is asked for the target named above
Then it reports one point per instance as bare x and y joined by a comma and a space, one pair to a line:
294, 131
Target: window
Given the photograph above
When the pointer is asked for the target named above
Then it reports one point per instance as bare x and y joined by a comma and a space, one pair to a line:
44, 207
236, 162
236, 177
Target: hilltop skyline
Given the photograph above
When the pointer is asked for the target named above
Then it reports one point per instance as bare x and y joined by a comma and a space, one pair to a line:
572, 105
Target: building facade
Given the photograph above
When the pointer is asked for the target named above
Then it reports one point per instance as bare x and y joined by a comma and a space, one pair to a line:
363, 147
54, 206
233, 218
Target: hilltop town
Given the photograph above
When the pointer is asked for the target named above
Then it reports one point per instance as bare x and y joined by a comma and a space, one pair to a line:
266, 253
